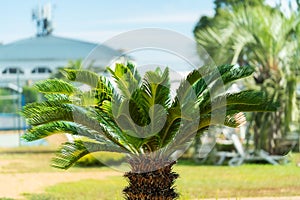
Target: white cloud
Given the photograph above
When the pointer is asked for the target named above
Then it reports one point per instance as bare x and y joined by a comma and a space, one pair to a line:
101, 32
97, 36
188, 17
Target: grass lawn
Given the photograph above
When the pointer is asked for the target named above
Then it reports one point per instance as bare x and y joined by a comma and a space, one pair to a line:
195, 182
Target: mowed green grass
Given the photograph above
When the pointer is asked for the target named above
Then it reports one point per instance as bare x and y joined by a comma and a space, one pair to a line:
195, 182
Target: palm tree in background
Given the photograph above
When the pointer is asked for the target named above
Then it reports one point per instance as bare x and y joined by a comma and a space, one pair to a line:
263, 37
139, 117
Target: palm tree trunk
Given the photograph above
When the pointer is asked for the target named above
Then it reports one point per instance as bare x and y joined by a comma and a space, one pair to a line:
291, 88
150, 179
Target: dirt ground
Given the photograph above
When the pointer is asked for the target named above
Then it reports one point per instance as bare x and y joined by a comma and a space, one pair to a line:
13, 185
30, 172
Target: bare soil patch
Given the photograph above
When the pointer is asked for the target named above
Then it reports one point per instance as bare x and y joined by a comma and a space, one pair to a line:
30, 172
13, 185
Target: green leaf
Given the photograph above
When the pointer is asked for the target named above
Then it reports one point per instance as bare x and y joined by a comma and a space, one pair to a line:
127, 79
61, 127
232, 119
268, 106
55, 86
83, 76
216, 73
42, 113
234, 74
247, 97
171, 126
62, 98
70, 152
99, 84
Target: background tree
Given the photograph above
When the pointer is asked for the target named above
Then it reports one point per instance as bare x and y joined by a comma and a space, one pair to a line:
265, 38
30, 94
220, 4
12, 101
139, 118
7, 101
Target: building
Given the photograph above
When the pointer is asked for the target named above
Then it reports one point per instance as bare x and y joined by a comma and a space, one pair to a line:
28, 60
35, 58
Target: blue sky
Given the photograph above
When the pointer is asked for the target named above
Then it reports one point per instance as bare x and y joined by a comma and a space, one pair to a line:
98, 20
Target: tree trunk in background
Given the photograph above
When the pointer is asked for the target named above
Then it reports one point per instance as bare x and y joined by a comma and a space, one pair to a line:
291, 105
268, 126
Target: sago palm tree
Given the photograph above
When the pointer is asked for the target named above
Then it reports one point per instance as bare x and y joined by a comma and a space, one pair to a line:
139, 117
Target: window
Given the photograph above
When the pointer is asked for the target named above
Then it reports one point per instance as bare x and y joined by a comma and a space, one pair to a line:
13, 70
41, 70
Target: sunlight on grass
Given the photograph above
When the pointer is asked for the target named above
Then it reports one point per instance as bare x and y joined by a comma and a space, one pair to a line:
108, 189
243, 181
195, 182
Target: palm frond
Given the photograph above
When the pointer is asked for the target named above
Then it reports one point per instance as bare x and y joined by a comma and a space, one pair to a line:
169, 131
172, 126
184, 136
61, 127
55, 86
184, 94
227, 76
231, 119
82, 76
62, 98
156, 88
235, 120
202, 84
155, 92
45, 112
89, 118
114, 131
134, 71
71, 152
234, 74
247, 97
100, 85
268, 106
145, 110
127, 79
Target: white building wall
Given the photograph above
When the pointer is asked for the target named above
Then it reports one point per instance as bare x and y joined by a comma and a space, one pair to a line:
27, 67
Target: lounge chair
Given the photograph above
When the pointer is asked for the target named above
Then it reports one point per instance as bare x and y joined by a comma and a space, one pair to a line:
240, 155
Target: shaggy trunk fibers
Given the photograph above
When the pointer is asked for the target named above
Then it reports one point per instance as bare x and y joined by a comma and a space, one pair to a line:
150, 179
